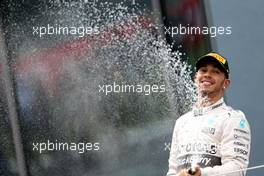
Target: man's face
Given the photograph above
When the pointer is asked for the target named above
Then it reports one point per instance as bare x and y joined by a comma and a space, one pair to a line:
211, 80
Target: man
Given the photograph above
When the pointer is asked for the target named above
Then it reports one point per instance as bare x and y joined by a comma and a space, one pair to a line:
212, 139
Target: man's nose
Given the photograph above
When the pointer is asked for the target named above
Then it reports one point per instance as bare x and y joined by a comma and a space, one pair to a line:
207, 74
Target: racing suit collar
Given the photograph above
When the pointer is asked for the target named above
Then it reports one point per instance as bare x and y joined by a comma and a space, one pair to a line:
203, 110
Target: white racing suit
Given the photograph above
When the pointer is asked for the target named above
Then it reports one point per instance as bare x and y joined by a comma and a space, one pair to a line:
217, 138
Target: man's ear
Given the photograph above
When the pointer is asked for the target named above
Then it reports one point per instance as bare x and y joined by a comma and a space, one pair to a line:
226, 83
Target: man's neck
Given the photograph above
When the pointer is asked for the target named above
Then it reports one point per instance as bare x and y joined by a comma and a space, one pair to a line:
206, 100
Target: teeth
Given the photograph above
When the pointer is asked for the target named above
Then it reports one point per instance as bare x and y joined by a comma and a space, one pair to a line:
206, 82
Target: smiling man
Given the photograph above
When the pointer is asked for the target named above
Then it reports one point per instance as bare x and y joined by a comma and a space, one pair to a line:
213, 138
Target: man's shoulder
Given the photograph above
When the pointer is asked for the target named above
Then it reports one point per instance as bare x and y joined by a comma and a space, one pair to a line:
234, 113
236, 118
186, 115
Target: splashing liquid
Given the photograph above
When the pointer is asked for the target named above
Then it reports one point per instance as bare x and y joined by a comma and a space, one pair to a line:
126, 49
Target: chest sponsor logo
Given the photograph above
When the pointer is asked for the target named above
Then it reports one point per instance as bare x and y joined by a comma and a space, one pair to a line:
208, 130
211, 121
241, 137
241, 157
204, 160
240, 151
241, 144
240, 131
242, 123
198, 147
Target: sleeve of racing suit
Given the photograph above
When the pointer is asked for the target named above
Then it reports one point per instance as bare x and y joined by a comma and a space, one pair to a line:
173, 153
234, 149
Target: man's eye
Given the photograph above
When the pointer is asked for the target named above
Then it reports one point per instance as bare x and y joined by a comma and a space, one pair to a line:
217, 71
203, 69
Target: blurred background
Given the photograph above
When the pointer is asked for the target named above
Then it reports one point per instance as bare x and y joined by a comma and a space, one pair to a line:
49, 84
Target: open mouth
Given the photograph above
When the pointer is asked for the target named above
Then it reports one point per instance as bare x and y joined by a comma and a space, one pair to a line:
207, 82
